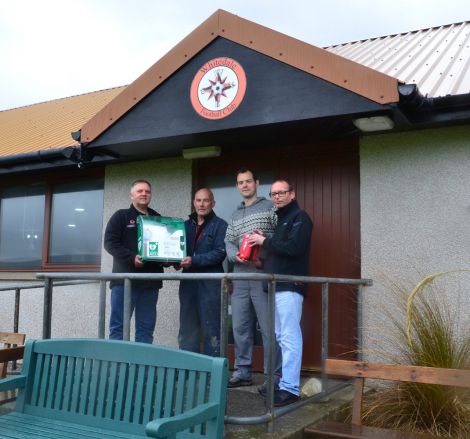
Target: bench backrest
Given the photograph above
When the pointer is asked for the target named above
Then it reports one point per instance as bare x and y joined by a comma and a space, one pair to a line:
119, 385
393, 372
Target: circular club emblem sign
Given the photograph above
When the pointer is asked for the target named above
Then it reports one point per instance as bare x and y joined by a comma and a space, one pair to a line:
218, 88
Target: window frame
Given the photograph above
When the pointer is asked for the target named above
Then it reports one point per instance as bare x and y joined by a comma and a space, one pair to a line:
50, 181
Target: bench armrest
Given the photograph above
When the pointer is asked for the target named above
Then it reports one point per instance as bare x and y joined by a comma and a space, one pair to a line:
168, 427
12, 383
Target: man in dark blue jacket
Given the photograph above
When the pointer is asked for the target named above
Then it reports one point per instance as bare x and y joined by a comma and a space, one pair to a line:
288, 253
200, 299
120, 240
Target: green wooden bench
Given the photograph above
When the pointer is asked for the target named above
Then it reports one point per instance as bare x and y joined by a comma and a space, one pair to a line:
91, 388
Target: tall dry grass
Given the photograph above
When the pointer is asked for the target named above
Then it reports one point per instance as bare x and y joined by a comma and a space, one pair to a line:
428, 336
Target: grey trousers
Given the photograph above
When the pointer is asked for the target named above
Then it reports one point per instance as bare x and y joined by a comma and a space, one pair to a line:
249, 302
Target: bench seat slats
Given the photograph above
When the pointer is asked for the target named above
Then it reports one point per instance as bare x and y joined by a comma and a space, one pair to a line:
350, 431
19, 425
93, 391
139, 393
149, 396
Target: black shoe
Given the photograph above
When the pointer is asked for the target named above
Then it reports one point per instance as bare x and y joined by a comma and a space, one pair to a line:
263, 389
238, 382
283, 397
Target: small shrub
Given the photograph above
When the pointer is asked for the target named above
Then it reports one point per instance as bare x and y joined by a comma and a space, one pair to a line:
429, 337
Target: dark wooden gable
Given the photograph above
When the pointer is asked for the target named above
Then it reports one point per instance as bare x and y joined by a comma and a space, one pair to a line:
277, 94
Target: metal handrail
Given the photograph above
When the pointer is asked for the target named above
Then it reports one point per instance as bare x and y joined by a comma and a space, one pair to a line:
271, 279
30, 285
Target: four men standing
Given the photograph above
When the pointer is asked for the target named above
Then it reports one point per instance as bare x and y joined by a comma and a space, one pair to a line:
284, 237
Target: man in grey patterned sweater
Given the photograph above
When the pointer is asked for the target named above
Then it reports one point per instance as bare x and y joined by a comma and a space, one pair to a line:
248, 300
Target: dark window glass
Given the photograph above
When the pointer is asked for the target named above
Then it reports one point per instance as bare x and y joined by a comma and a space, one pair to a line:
76, 220
22, 226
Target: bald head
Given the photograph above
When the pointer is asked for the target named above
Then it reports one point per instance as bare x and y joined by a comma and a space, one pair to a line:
203, 203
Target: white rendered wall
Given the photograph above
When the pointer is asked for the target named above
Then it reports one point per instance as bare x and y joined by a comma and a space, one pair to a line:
415, 220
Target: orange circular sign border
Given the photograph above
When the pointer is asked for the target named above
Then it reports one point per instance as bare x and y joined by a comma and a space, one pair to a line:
231, 64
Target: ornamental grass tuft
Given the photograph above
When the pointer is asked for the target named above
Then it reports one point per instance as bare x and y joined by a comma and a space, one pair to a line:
430, 337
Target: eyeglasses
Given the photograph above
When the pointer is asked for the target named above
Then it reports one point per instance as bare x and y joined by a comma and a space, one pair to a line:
278, 194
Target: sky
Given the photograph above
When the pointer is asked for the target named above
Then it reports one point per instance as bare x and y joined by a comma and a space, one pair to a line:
52, 49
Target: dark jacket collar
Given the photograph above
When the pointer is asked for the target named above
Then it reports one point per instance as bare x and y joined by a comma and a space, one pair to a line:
193, 217
284, 211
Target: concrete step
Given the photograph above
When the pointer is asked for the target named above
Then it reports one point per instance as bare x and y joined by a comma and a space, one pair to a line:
245, 401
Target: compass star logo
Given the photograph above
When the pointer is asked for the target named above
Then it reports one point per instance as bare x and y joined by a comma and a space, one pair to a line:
218, 88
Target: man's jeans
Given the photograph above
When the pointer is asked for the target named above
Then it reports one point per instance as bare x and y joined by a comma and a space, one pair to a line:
200, 312
144, 302
289, 337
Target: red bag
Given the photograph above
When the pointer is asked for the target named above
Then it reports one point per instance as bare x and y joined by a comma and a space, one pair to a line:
246, 252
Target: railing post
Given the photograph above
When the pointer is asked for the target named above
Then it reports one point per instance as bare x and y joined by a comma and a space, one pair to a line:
360, 324
324, 335
126, 322
102, 309
47, 310
270, 347
224, 317
16, 318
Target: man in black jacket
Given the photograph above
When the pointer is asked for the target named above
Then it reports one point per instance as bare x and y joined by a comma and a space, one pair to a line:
120, 240
288, 253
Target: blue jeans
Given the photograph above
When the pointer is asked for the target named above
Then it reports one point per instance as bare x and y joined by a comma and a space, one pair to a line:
144, 302
200, 316
289, 337
250, 302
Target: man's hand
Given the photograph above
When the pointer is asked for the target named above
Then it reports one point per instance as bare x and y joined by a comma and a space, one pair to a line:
186, 262
240, 260
138, 261
256, 238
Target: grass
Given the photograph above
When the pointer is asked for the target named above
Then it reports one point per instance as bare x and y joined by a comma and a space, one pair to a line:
428, 337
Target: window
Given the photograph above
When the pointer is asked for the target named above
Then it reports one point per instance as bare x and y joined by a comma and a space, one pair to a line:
22, 226
51, 225
76, 223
